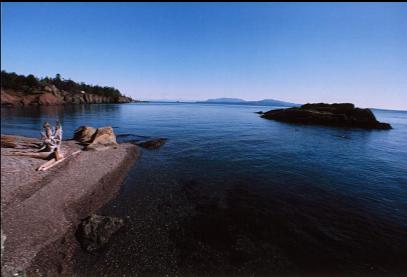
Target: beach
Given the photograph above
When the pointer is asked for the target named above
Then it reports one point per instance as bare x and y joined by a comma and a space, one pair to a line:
42, 209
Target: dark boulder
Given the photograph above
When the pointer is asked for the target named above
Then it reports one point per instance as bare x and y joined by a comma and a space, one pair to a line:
95, 231
339, 115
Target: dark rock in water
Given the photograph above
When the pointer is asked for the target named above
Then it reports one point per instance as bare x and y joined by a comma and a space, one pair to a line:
95, 231
152, 143
259, 112
339, 115
123, 135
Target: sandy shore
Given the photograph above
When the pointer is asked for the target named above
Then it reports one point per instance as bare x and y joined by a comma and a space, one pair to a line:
41, 210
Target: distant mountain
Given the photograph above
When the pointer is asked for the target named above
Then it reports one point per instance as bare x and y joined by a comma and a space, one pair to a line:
238, 101
272, 102
224, 100
170, 100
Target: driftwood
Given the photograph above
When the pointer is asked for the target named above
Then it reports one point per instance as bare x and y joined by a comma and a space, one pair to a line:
50, 149
52, 139
18, 143
54, 162
7, 143
38, 155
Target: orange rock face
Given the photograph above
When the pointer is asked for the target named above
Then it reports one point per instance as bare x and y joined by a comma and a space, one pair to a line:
53, 96
49, 99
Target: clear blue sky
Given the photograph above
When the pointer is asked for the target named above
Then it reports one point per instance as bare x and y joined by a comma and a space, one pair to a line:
353, 52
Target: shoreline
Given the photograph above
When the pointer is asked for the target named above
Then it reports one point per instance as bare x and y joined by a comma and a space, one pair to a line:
41, 210
12, 98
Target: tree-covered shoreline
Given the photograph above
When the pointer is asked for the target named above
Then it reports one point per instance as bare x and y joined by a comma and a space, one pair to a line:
31, 84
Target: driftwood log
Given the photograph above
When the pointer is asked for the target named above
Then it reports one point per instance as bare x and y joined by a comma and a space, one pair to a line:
50, 149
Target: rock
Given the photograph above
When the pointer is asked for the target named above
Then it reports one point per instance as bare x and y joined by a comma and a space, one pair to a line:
51, 95
84, 134
152, 143
259, 112
49, 99
53, 89
7, 99
95, 138
103, 137
339, 115
123, 99
95, 231
48, 89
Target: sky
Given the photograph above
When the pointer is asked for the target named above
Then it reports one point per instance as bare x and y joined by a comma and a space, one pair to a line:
296, 52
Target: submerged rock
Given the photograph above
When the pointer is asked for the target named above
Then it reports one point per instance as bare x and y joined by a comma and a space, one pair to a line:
339, 115
95, 231
152, 143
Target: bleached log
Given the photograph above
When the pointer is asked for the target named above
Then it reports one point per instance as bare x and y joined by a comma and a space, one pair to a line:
38, 155
47, 165
51, 145
58, 133
44, 165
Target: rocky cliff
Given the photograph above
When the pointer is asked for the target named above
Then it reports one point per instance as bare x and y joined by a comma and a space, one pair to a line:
51, 95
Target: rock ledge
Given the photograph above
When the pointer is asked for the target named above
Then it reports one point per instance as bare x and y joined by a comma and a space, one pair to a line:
338, 115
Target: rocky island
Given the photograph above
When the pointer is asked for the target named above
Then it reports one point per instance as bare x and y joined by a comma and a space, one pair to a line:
338, 115
20, 90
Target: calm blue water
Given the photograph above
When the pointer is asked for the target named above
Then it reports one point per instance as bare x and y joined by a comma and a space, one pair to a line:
261, 195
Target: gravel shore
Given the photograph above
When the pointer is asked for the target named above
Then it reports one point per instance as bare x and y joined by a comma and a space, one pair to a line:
41, 210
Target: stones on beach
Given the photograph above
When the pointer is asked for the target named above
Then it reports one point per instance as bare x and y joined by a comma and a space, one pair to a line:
95, 231
95, 138
84, 134
338, 115
103, 137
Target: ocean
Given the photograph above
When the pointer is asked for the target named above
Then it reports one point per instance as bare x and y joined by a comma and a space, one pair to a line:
234, 194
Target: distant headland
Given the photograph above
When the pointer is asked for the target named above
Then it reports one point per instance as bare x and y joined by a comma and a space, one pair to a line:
238, 101
20, 90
